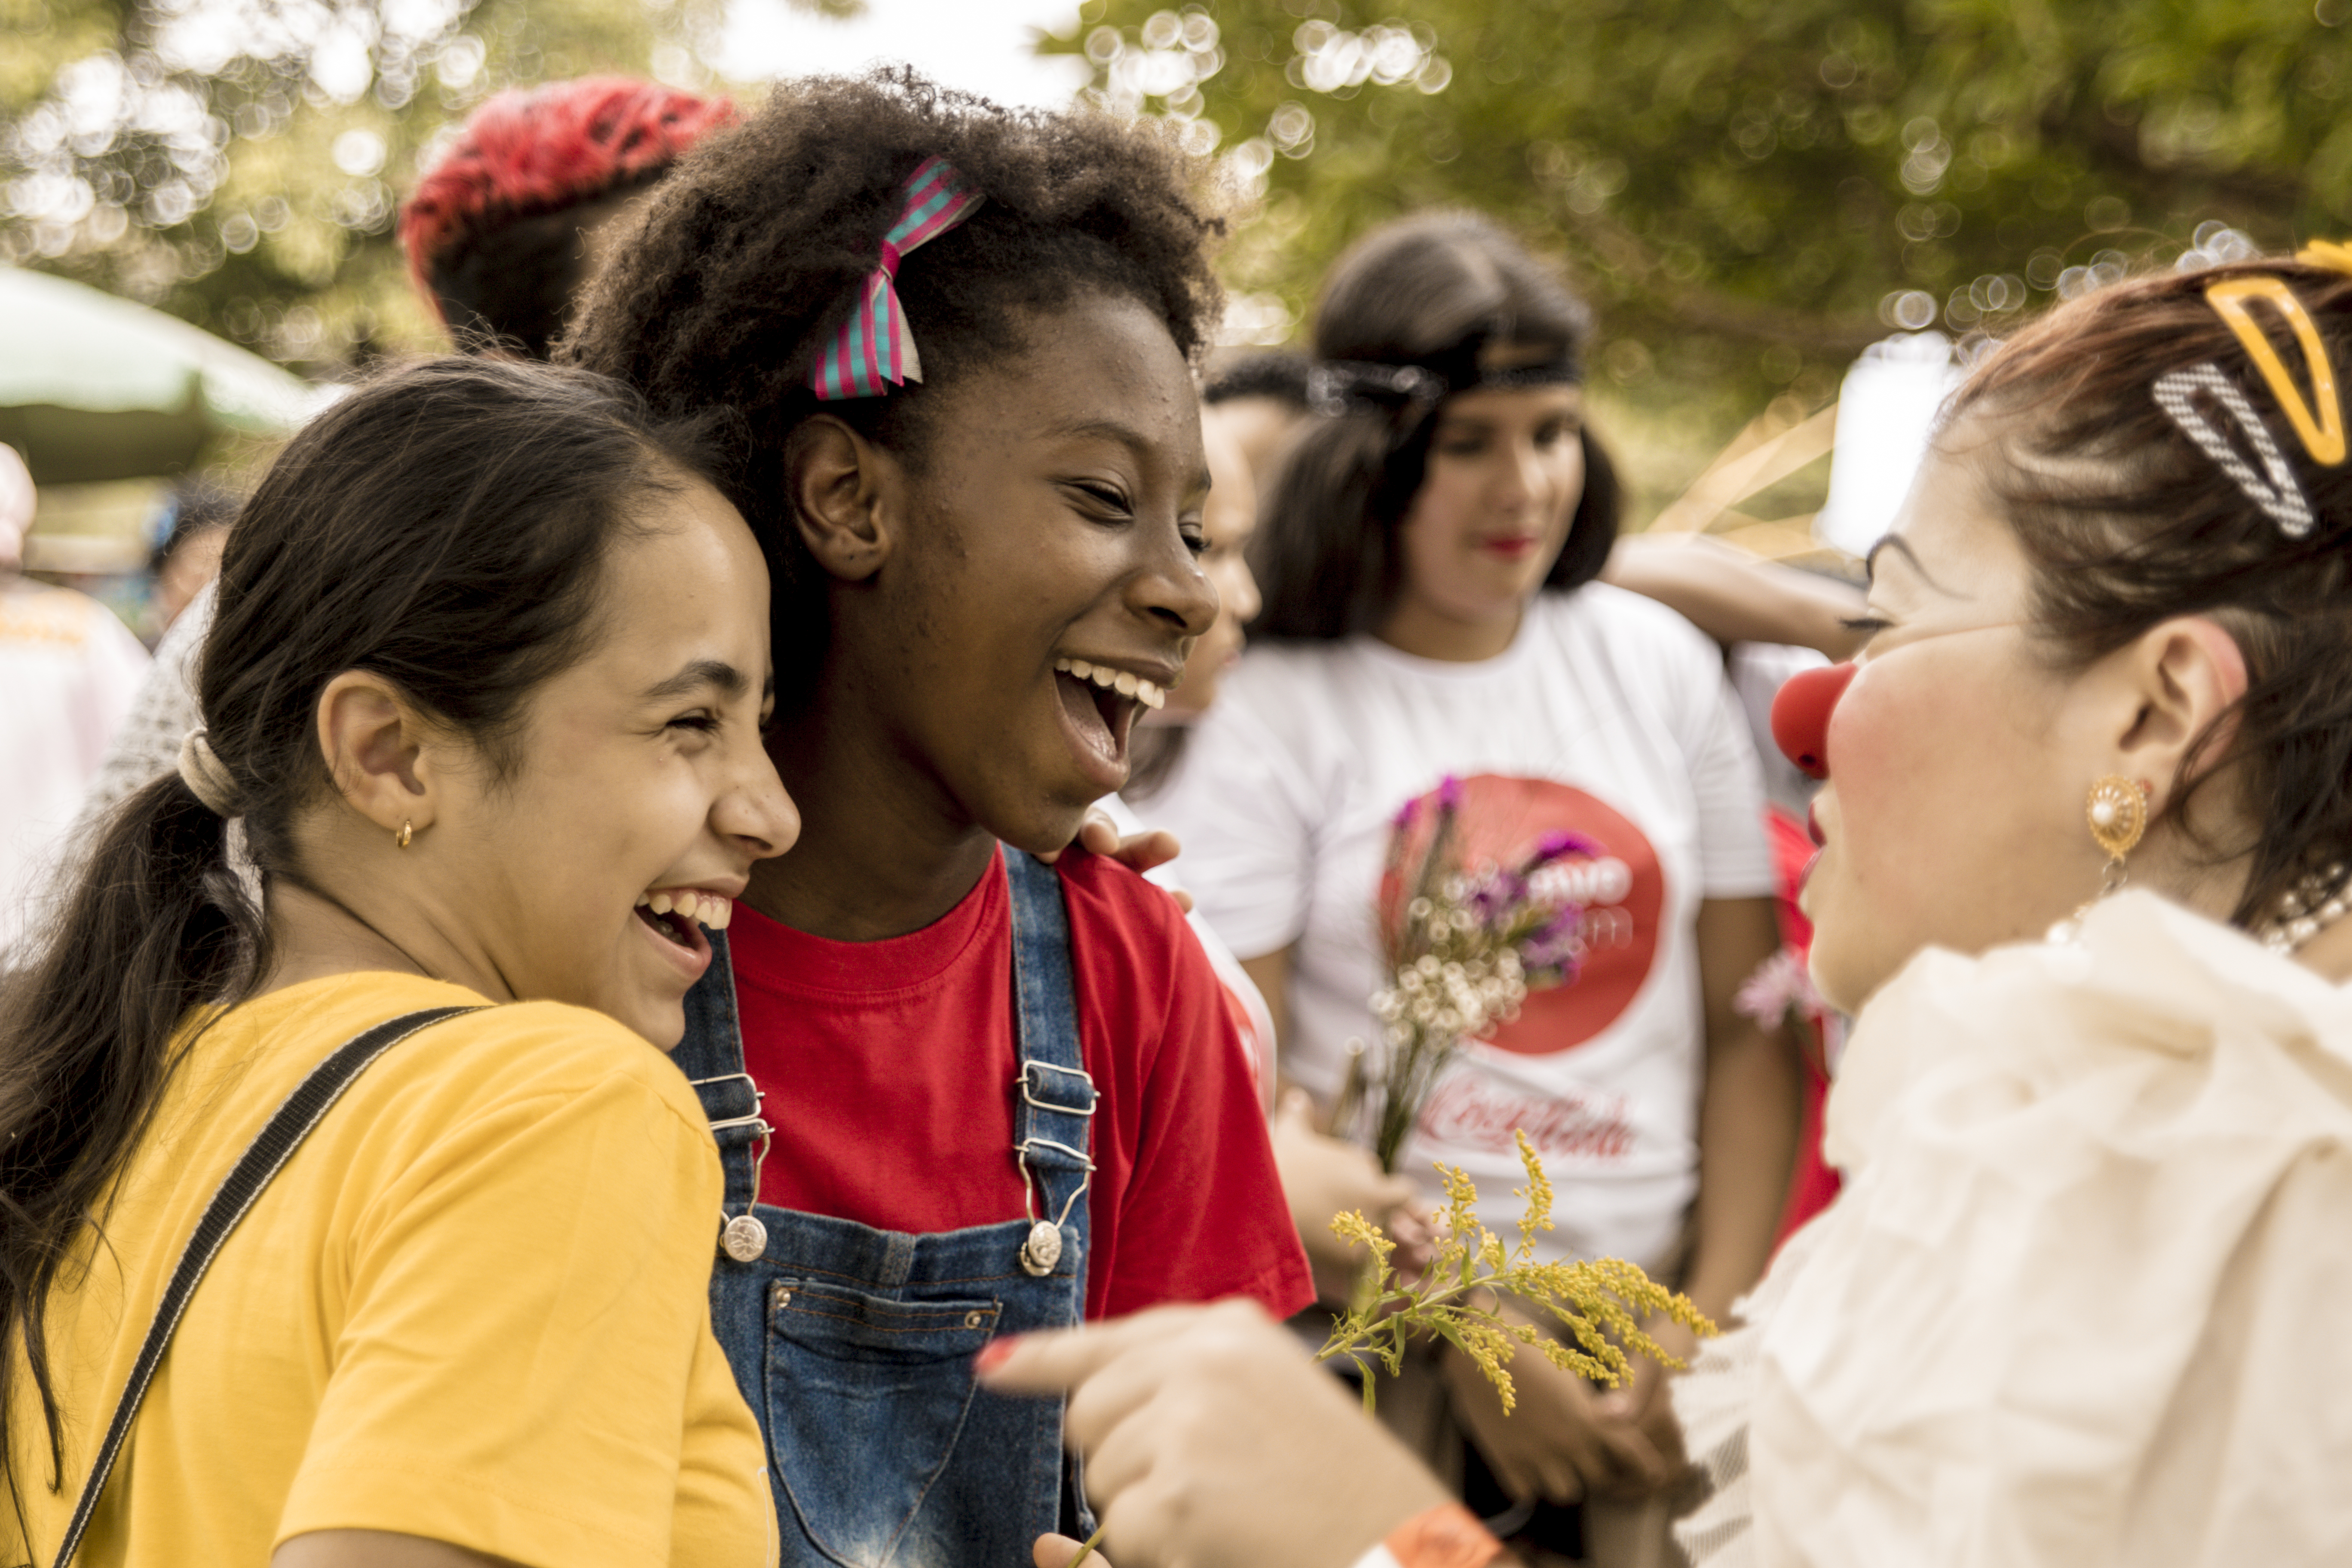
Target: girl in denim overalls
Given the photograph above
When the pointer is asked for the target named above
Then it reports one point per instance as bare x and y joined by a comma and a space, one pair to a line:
959, 1093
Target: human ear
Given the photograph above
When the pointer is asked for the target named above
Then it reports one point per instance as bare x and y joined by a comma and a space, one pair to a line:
376, 750
842, 487
2190, 675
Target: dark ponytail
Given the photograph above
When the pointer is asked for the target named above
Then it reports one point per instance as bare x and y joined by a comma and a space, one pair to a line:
444, 527
157, 927
1403, 317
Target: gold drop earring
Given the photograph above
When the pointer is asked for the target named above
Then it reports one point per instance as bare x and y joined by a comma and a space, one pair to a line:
2118, 811
406, 832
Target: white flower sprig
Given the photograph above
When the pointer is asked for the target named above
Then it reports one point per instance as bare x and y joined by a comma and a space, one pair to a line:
1462, 949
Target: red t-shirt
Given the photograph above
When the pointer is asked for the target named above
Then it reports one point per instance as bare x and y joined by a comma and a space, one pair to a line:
889, 1070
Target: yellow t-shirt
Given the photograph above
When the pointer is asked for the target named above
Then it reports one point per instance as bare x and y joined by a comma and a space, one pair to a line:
472, 1307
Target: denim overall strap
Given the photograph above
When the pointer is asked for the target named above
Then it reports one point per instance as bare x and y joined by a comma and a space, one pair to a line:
711, 1056
1053, 1121
854, 1345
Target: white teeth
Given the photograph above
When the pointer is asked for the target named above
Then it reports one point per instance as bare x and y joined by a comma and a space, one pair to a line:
1147, 692
711, 909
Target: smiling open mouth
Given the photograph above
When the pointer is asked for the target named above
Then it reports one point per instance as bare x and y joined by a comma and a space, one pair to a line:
1099, 704
674, 913
1117, 683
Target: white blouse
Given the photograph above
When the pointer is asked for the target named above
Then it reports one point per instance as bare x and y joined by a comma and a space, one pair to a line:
2082, 1300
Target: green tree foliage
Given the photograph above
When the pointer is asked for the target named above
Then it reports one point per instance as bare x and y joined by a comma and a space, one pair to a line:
1752, 190
237, 161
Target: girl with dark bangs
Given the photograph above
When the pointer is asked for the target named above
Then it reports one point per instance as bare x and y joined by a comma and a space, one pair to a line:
1433, 625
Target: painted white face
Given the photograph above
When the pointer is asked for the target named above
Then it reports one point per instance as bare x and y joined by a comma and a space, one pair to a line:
1958, 757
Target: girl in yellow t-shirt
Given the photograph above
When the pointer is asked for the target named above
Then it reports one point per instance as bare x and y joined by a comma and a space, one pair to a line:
483, 704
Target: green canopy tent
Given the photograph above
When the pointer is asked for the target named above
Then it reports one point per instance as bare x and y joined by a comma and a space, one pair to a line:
93, 387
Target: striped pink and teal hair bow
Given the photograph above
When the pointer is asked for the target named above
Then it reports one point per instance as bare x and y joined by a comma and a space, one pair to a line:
874, 347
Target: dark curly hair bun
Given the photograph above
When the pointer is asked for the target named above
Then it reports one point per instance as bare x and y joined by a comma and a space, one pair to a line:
754, 250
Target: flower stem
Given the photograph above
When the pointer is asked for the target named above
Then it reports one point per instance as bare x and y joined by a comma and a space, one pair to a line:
1088, 1550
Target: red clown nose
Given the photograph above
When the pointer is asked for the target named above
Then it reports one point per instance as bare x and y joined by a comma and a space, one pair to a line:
1800, 716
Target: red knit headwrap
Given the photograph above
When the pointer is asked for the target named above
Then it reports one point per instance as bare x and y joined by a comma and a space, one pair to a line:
537, 150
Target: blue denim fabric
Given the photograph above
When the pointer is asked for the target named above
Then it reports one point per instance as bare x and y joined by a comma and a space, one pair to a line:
854, 1346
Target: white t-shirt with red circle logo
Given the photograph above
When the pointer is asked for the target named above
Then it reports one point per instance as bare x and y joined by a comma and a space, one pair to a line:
1608, 716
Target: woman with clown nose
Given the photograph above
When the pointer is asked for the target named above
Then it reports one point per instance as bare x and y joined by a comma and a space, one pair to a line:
2085, 837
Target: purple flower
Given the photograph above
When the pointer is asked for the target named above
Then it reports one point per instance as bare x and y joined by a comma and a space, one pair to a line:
1563, 926
1407, 815
1449, 793
1497, 897
1555, 946
1554, 846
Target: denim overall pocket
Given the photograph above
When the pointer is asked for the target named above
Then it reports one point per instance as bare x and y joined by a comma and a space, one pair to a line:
867, 1396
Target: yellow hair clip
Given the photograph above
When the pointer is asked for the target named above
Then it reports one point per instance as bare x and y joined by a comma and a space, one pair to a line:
2323, 435
2331, 253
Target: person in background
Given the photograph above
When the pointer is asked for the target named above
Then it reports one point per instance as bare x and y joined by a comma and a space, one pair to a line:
514, 216
1227, 517
498, 234
190, 533
68, 669
1771, 621
1427, 556
1321, 1175
1260, 399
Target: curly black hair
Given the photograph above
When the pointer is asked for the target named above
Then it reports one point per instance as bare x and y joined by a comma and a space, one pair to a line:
752, 251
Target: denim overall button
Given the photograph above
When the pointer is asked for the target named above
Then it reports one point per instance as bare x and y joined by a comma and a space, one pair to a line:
783, 1296
1044, 1248
975, 1320
744, 1238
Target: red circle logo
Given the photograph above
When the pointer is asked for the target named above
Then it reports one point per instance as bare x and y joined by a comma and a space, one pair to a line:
1621, 890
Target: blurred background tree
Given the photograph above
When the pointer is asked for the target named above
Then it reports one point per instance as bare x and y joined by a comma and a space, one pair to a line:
1750, 191
237, 161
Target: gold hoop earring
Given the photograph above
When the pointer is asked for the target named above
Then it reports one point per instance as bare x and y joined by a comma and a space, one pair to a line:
2117, 810
404, 835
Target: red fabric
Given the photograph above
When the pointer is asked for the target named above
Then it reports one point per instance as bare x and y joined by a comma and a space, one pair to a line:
1813, 1183
535, 149
890, 1069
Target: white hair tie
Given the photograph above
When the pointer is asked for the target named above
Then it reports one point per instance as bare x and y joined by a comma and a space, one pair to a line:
203, 772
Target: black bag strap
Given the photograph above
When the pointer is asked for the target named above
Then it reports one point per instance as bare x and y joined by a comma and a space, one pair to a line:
262, 1160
